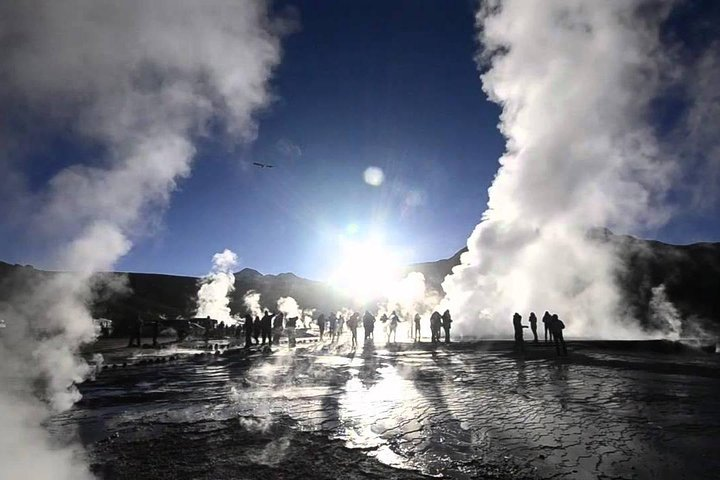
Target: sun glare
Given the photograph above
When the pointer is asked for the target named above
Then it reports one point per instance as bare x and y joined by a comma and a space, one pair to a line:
366, 268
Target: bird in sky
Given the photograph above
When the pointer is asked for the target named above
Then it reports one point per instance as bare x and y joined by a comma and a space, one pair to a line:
263, 165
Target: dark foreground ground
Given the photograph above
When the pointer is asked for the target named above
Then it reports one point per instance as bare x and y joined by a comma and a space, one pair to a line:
467, 410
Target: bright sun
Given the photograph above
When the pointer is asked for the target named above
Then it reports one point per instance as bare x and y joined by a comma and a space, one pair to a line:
366, 269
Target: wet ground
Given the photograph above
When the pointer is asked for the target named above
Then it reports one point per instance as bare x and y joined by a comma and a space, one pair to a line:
467, 410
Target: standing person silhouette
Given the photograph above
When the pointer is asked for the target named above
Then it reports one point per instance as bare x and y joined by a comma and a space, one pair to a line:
156, 333
392, 330
352, 324
518, 327
446, 322
277, 328
340, 323
266, 328
556, 327
332, 327
248, 330
369, 325
321, 324
533, 326
547, 319
136, 332
257, 328
416, 333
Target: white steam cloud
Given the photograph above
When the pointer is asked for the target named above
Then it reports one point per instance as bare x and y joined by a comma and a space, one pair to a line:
409, 296
251, 300
574, 79
664, 317
139, 81
289, 307
213, 300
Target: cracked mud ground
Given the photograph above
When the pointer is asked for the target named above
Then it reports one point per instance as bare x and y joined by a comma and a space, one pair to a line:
472, 410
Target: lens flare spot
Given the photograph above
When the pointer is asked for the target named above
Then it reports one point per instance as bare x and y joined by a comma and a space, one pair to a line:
374, 176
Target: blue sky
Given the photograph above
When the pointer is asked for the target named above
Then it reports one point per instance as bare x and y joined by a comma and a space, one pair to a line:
406, 98
391, 84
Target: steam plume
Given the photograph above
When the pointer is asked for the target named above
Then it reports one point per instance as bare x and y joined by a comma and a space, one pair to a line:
409, 296
574, 79
213, 294
663, 314
289, 307
140, 81
251, 300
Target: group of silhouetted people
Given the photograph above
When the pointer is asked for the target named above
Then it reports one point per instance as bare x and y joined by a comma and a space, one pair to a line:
553, 329
269, 329
136, 329
438, 322
333, 324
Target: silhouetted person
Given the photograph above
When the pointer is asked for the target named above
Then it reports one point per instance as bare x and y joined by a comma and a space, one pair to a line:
156, 333
446, 322
416, 333
257, 328
369, 325
533, 325
248, 330
352, 324
332, 326
518, 327
136, 332
277, 328
340, 324
290, 325
556, 327
266, 328
321, 324
392, 330
547, 319
435, 322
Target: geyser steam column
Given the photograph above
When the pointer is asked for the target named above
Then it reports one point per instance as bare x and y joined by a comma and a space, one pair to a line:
139, 81
574, 79
213, 300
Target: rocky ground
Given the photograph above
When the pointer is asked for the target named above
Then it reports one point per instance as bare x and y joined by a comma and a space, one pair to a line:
467, 410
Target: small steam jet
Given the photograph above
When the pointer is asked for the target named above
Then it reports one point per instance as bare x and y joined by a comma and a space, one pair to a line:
263, 165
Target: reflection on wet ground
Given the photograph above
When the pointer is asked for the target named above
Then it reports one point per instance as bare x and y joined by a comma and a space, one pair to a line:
460, 411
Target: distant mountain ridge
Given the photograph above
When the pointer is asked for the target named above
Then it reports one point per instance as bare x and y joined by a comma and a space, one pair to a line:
690, 273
